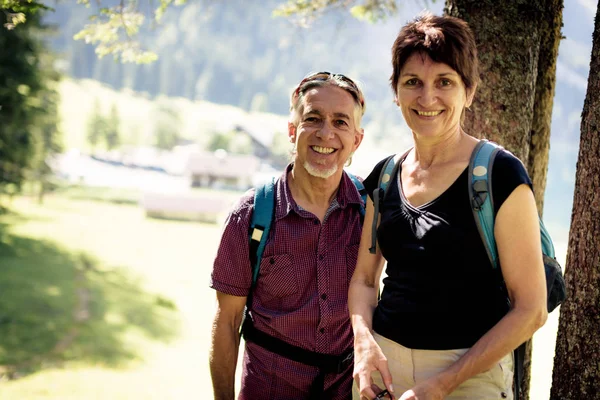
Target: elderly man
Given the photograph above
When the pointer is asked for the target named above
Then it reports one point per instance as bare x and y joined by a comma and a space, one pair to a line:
297, 332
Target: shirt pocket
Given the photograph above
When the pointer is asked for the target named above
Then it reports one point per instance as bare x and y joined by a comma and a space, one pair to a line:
351, 258
277, 277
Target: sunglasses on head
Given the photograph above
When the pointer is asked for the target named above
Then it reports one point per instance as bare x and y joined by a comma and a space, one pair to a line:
323, 76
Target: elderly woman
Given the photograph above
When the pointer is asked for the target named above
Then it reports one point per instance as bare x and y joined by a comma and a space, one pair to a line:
443, 328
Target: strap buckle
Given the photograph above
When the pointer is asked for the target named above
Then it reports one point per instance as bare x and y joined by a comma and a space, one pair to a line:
345, 362
480, 193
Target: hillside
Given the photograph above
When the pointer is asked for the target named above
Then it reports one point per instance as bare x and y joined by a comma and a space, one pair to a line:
199, 119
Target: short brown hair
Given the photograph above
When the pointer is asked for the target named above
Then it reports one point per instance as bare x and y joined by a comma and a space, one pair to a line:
445, 39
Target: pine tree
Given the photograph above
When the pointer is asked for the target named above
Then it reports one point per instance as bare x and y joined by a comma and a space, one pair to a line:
28, 99
96, 127
112, 134
166, 127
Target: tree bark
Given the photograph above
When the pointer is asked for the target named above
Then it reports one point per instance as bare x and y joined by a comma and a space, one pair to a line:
518, 46
576, 373
539, 145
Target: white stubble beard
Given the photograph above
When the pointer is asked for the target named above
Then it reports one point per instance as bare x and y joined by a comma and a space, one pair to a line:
318, 173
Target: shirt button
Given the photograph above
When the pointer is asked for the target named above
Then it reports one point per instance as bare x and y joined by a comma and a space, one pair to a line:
322, 330
324, 296
321, 257
503, 395
316, 221
271, 261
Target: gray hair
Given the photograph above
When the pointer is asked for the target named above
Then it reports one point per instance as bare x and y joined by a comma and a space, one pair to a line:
322, 79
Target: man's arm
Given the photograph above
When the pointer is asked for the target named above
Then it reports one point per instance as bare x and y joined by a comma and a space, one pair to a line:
225, 344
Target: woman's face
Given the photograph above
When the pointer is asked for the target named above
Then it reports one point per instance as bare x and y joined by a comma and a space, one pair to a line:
432, 96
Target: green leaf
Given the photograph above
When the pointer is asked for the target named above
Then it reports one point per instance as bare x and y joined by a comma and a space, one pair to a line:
359, 12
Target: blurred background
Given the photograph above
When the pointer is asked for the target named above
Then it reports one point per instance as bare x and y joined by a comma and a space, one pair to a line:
107, 237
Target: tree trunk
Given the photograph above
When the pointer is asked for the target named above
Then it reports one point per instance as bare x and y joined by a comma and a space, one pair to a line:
518, 46
539, 145
576, 373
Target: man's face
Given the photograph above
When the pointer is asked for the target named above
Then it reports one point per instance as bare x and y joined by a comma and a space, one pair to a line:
326, 134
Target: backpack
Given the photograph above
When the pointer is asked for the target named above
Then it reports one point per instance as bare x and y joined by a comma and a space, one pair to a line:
480, 190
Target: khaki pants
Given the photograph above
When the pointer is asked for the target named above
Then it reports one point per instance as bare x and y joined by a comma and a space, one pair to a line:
409, 366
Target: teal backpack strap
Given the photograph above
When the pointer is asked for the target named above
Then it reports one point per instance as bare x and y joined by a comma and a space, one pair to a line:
260, 225
388, 172
480, 193
384, 180
362, 191
264, 207
547, 245
482, 203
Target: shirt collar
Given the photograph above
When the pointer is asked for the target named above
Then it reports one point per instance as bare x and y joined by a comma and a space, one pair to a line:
346, 194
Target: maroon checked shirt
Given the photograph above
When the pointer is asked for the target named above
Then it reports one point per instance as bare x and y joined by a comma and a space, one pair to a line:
301, 292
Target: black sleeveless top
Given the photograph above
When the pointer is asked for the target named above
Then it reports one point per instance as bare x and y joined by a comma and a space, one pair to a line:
441, 291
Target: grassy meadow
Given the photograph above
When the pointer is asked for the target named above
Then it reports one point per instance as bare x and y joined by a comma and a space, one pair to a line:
99, 302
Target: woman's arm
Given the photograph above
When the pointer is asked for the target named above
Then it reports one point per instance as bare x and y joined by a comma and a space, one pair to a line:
362, 300
517, 236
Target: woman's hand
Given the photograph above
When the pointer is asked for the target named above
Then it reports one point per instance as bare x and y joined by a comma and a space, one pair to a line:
368, 359
430, 389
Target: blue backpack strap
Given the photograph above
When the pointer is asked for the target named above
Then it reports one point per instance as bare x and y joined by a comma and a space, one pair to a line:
482, 204
480, 193
385, 176
260, 225
362, 191
547, 245
388, 172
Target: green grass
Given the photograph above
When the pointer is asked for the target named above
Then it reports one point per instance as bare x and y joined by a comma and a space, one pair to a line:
111, 195
132, 196
148, 328
59, 306
37, 292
